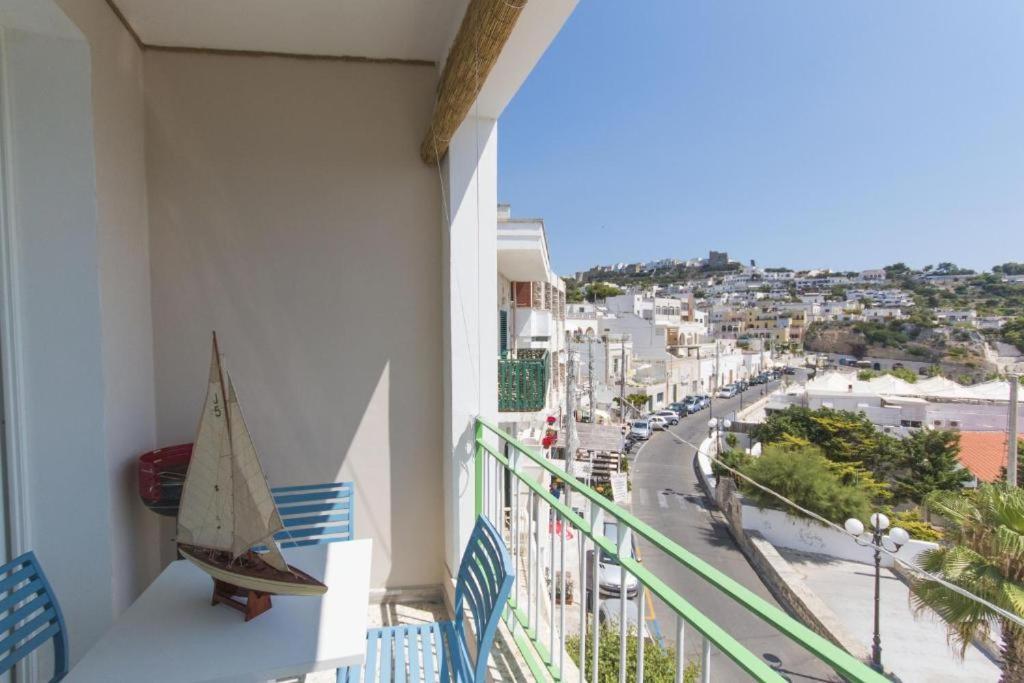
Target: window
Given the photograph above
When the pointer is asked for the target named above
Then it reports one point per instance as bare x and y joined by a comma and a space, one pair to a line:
954, 424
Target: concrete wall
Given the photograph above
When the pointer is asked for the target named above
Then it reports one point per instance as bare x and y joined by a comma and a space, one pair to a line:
127, 326
291, 213
53, 375
804, 535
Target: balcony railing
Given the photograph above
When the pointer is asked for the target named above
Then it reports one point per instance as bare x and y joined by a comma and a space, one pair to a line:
523, 382
508, 492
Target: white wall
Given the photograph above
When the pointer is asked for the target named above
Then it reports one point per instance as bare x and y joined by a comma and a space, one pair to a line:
470, 323
125, 319
291, 212
53, 364
805, 535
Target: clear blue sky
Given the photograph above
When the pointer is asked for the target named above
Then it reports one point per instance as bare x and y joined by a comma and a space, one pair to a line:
837, 133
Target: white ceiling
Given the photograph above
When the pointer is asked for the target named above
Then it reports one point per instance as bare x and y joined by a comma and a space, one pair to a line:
381, 29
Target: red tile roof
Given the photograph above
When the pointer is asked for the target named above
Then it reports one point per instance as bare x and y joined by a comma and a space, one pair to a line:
984, 453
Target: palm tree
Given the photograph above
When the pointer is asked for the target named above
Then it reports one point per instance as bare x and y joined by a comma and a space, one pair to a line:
984, 554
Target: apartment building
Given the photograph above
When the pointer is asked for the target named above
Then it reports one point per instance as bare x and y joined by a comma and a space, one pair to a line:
531, 328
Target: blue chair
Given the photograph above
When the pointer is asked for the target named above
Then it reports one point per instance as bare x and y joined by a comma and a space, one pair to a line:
439, 651
314, 514
31, 615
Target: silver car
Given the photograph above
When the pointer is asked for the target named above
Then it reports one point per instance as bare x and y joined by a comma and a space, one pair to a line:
609, 571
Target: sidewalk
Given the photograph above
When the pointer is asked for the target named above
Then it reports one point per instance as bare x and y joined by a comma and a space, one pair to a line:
915, 649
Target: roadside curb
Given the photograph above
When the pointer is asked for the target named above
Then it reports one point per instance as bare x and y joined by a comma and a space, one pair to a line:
778, 576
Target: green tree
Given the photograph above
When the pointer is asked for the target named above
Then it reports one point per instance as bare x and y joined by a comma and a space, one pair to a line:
573, 292
984, 555
841, 435
659, 663
601, 290
1009, 268
836, 491
931, 463
638, 400
1013, 332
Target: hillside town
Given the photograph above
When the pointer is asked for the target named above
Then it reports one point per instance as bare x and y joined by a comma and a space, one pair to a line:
616, 369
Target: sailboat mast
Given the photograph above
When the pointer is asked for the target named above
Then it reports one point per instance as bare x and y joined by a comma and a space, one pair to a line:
223, 388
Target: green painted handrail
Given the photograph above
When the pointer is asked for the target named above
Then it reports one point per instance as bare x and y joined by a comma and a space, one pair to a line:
841, 661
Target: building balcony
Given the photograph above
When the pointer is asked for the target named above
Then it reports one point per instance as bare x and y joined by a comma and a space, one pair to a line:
523, 382
534, 322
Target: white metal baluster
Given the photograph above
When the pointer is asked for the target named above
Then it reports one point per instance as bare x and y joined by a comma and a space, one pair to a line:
551, 585
529, 558
705, 662
514, 522
538, 577
485, 504
565, 526
640, 595
597, 529
561, 601
680, 655
583, 605
625, 537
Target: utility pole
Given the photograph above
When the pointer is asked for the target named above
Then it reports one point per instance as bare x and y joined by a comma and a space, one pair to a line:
571, 437
714, 388
1011, 447
590, 375
622, 385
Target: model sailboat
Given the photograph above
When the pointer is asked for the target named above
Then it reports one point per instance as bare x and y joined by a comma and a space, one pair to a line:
227, 508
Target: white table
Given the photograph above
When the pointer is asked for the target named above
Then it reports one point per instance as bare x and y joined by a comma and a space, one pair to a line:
172, 634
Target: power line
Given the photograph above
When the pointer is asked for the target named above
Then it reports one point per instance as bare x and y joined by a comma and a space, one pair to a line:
914, 568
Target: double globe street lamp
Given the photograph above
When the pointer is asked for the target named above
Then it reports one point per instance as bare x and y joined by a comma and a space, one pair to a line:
876, 538
715, 426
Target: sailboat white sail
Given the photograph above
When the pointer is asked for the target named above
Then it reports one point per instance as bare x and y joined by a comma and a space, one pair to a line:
206, 516
255, 514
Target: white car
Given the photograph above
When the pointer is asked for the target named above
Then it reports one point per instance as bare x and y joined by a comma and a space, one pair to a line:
671, 416
658, 422
640, 429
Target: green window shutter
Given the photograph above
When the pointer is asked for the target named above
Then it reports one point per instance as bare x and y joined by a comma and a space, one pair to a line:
503, 331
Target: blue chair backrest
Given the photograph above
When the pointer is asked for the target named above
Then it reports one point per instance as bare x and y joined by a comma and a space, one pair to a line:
314, 514
30, 615
485, 580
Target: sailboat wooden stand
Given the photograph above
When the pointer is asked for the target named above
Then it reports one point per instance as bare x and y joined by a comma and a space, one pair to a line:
227, 510
256, 602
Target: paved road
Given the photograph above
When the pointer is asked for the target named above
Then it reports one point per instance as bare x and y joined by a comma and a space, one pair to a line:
667, 496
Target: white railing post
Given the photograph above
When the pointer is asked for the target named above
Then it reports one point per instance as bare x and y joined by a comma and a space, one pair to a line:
624, 545
596, 529
641, 595
705, 662
680, 655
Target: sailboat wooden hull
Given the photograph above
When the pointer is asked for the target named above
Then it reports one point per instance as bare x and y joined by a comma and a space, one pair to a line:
253, 574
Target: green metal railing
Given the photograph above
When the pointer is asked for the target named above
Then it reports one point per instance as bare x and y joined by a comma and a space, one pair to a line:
502, 486
523, 383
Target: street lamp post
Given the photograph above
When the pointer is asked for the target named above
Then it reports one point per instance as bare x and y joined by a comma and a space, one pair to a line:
715, 426
892, 542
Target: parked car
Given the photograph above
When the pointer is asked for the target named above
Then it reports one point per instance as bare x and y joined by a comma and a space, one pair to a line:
693, 404
640, 429
705, 401
788, 370
671, 416
680, 408
658, 422
728, 391
742, 385
609, 572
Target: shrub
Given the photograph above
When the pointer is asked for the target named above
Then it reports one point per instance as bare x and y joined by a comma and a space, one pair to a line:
836, 491
659, 663
915, 525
